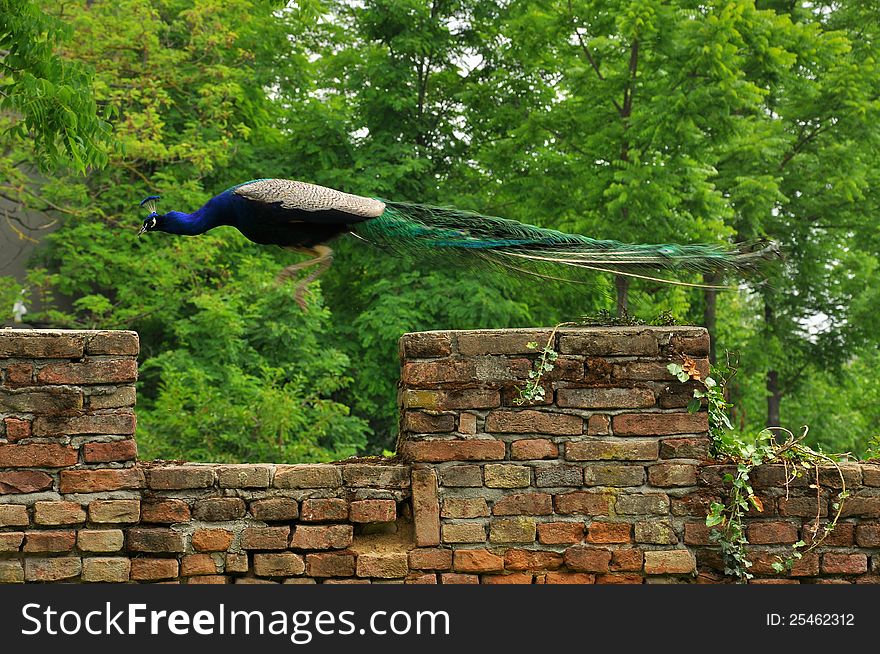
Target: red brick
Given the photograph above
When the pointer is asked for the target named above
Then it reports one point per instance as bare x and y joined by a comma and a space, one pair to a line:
18, 374
17, 429
605, 398
275, 509
330, 564
620, 579
13, 515
569, 578
860, 507
120, 343
54, 569
513, 578
451, 400
427, 423
772, 533
421, 345
392, 565
439, 451
40, 455
366, 511
155, 540
58, 513
24, 481
114, 451
804, 507
115, 511
49, 541
582, 558
467, 423
244, 475
197, 564
265, 538
456, 578
10, 541
180, 477
659, 562
530, 421
609, 532
420, 578
321, 537
612, 450
560, 533
696, 533
529, 449
209, 579
531, 560
212, 540
845, 564
430, 558
585, 503
426, 507
153, 569
109, 423
278, 564
49, 401
324, 510
219, 509
627, 560
100, 540
524, 504
165, 511
41, 345
659, 424
108, 371
610, 341
672, 474
598, 424
684, 448
868, 535
477, 561
94, 481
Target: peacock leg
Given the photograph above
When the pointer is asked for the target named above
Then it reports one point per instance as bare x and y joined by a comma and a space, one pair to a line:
323, 257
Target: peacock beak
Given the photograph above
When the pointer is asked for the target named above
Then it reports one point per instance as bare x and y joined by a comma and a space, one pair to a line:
142, 230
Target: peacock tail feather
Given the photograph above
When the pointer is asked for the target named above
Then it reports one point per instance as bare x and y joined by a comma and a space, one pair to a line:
424, 229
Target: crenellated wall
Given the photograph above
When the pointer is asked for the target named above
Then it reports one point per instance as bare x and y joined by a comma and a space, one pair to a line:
605, 480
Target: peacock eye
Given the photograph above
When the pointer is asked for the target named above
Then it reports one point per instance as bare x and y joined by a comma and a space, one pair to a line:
152, 223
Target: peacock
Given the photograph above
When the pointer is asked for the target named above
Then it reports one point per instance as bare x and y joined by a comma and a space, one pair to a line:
305, 217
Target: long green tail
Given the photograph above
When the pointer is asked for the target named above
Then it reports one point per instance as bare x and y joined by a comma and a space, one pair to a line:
548, 253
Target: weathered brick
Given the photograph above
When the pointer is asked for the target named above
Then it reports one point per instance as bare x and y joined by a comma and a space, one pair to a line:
652, 370
155, 540
236, 562
871, 475
197, 564
516, 559
39, 455
308, 476
693, 504
585, 503
598, 424
554, 475
275, 509
265, 538
464, 507
843, 535
11, 572
662, 562
383, 566
610, 341
49, 541
511, 578
321, 537
605, 398
219, 509
529, 449
124, 343
612, 450
105, 423
428, 423
125, 450
18, 374
477, 561
17, 429
54, 402
10, 541
153, 569
583, 558
54, 569
421, 578
423, 345
643, 504
470, 476
659, 424
772, 533
165, 511
458, 578
560, 533
844, 564
667, 475
94, 371
106, 569
804, 507
330, 564
523, 504
278, 564
696, 533
529, 421
627, 559
95, 481
684, 448
451, 400
569, 578
656, 532
324, 510
502, 475
868, 535
426, 507
613, 475
115, 511
100, 540
213, 540
447, 450
512, 530
113, 397
609, 532
861, 507
485, 342
465, 532
467, 423
41, 344
58, 513
13, 515
180, 477
367, 511
430, 558
619, 579
244, 476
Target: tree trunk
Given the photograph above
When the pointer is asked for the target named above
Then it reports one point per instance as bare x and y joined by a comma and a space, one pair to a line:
774, 398
709, 312
622, 284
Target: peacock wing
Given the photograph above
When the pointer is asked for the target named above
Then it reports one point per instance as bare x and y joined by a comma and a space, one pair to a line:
316, 203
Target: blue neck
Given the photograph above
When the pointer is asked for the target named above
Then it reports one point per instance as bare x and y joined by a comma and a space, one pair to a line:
213, 214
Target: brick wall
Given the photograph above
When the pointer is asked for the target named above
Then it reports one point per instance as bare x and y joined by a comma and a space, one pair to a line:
605, 480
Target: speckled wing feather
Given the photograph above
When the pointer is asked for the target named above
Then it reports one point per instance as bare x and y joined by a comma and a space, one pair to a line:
302, 196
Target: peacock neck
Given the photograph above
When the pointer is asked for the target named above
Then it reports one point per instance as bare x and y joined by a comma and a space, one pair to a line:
213, 214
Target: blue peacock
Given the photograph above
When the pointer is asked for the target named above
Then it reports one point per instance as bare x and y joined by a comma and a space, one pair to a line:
305, 217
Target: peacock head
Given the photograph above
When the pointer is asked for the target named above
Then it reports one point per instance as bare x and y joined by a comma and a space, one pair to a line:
154, 220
